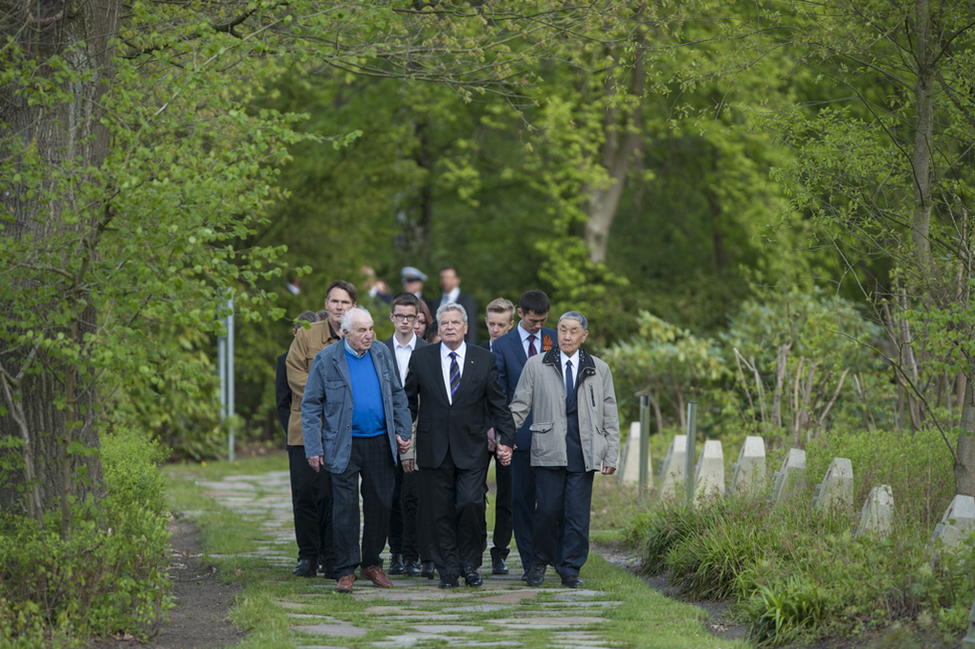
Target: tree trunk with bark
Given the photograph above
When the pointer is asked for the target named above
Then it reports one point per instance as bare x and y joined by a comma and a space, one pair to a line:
65, 137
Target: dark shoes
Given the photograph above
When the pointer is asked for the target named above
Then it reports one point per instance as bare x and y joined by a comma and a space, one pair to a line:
376, 575
472, 577
536, 576
345, 583
427, 570
498, 566
411, 567
571, 581
396, 566
305, 568
448, 582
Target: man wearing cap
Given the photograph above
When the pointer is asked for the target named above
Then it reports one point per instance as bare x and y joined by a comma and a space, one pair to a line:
413, 279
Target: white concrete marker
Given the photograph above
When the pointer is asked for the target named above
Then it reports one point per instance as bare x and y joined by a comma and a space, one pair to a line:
748, 473
877, 516
836, 489
672, 469
709, 472
791, 478
630, 459
957, 523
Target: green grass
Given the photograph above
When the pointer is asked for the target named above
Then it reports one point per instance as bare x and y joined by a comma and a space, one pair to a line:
643, 619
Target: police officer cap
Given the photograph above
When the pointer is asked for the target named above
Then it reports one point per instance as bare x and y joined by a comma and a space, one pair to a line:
411, 274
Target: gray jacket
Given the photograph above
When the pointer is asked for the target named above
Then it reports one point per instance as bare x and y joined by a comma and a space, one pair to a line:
541, 391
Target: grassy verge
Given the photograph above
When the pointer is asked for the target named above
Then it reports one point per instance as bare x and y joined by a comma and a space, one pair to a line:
271, 598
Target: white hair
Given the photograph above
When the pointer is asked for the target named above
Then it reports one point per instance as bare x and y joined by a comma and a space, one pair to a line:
452, 306
353, 314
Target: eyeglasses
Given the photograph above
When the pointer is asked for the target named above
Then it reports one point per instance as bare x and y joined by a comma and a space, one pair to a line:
399, 317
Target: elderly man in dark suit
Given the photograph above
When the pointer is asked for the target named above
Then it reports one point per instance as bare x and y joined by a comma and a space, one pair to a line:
512, 351
454, 394
404, 546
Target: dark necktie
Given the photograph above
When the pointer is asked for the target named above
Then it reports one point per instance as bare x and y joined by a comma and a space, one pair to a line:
570, 393
454, 375
531, 346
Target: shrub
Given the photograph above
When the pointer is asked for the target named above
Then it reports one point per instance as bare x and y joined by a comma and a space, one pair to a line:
107, 575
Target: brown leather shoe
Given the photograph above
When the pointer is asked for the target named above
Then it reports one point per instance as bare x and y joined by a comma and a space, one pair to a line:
377, 576
345, 583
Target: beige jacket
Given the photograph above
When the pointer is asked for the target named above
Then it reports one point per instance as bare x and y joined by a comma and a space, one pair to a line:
306, 344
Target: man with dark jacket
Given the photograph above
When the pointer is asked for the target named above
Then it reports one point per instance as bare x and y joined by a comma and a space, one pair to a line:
454, 394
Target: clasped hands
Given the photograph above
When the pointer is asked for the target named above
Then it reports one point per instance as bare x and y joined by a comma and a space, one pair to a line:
504, 454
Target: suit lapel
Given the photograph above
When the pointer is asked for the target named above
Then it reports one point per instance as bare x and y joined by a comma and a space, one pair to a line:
436, 367
469, 368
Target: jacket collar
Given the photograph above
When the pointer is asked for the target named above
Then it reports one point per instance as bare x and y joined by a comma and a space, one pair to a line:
586, 364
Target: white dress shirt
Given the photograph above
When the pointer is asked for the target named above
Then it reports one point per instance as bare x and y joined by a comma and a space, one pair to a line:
403, 355
452, 296
445, 364
575, 367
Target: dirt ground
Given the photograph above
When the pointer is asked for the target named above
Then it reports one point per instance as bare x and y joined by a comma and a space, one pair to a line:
200, 618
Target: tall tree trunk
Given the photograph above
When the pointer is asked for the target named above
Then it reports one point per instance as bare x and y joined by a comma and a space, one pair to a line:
60, 135
621, 125
923, 135
965, 450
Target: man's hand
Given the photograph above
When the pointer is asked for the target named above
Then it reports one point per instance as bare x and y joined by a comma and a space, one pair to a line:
403, 445
492, 443
609, 470
408, 466
315, 462
504, 454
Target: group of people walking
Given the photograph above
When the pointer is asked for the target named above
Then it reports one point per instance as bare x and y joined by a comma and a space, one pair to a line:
413, 426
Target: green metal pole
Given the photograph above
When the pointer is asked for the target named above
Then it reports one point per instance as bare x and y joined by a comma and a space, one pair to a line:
689, 464
644, 447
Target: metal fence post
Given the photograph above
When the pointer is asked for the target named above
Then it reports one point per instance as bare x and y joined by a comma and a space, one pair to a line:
689, 459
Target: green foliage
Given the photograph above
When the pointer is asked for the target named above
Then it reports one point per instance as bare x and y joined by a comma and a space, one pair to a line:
108, 575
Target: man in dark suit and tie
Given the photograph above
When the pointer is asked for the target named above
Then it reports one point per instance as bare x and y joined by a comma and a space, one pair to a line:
450, 282
404, 546
512, 351
499, 318
454, 394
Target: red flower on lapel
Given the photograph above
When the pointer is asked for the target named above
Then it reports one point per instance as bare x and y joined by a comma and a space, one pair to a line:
546, 343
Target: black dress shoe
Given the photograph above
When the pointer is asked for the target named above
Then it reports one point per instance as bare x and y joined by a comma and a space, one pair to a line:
395, 565
536, 576
305, 568
498, 566
571, 581
427, 570
448, 582
472, 577
411, 567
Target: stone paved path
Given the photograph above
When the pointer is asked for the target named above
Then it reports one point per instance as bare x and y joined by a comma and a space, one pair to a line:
502, 613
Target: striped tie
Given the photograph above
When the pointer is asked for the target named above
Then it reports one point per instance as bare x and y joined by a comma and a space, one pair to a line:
454, 375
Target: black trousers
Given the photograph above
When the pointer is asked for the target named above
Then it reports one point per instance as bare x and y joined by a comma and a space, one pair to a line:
502, 510
523, 504
402, 516
563, 498
311, 501
371, 461
452, 506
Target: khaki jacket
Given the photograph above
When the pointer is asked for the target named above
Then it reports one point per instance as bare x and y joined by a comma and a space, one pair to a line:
541, 391
306, 344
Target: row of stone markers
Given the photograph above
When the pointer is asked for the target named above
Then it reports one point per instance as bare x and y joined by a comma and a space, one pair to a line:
749, 476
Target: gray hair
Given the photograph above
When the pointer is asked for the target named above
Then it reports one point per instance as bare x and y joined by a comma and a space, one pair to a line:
578, 317
354, 313
451, 306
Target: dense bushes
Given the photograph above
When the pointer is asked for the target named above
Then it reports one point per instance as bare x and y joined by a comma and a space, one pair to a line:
107, 576
794, 573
